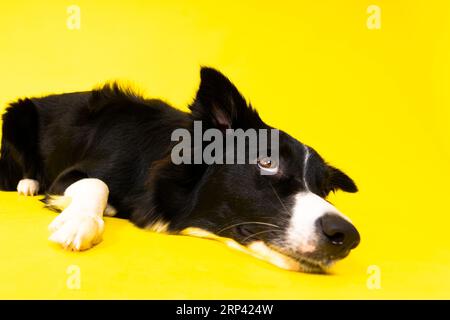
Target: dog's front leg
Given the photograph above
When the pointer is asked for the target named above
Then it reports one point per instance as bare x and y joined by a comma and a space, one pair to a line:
80, 225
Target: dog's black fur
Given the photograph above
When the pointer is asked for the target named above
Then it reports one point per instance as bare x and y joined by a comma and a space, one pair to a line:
124, 140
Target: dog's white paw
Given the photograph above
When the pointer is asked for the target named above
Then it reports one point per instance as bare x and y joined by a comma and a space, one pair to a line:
76, 231
28, 187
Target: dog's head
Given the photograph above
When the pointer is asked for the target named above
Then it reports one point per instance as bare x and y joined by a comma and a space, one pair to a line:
279, 202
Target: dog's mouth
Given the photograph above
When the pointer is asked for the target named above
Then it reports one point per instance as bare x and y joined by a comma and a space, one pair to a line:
286, 259
310, 264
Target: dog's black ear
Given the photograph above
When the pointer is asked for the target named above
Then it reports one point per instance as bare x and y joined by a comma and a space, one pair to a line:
339, 180
219, 103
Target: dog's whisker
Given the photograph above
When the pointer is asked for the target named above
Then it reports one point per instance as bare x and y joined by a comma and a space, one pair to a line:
249, 222
258, 233
279, 199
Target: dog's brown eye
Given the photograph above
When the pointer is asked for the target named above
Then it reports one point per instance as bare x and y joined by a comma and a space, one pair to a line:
265, 163
268, 165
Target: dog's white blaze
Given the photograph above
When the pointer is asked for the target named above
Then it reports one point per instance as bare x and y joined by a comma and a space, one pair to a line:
28, 187
80, 225
305, 166
302, 234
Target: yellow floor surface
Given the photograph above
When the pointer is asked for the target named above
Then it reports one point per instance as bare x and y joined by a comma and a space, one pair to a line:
135, 264
366, 83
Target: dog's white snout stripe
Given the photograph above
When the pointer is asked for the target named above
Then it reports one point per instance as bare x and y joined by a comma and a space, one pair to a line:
305, 166
302, 234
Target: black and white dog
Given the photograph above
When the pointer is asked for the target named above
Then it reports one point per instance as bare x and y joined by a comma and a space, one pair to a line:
107, 152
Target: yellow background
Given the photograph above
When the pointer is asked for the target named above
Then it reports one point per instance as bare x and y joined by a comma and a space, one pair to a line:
373, 102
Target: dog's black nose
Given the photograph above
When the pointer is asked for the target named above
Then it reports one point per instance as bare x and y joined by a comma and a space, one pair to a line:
340, 233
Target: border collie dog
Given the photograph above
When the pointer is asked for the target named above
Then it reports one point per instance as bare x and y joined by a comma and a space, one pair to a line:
108, 152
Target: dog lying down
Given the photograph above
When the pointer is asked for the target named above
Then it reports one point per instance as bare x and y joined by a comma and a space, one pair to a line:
111, 152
